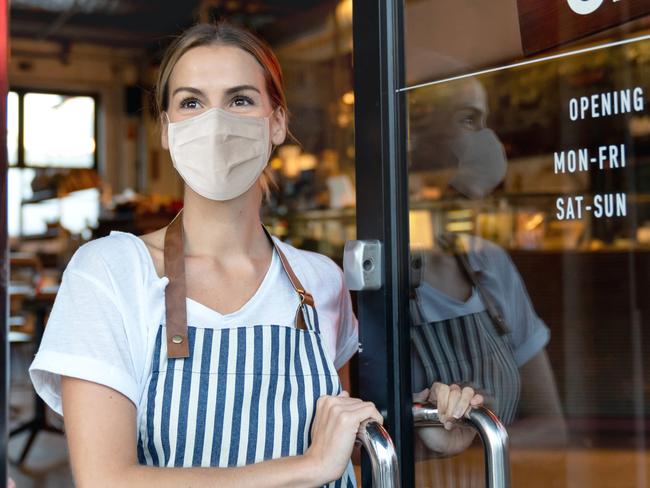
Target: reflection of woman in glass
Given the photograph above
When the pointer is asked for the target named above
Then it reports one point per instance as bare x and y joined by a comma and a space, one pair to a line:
475, 335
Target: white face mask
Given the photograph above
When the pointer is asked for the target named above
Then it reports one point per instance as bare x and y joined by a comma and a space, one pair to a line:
482, 163
218, 154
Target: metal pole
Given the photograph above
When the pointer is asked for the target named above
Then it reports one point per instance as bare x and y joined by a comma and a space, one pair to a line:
381, 451
492, 433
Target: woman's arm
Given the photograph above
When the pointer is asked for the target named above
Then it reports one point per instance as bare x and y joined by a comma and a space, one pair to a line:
101, 431
452, 403
540, 420
344, 376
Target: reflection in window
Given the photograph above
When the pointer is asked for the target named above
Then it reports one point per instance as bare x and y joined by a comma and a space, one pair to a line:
566, 221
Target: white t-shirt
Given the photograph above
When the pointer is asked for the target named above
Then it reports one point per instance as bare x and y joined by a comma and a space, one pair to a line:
497, 274
111, 303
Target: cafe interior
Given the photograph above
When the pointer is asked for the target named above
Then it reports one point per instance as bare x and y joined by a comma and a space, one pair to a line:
85, 159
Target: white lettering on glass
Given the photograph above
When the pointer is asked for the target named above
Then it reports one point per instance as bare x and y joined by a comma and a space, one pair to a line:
612, 156
603, 206
607, 104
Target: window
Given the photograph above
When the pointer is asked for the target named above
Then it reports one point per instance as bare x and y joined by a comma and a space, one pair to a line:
52, 149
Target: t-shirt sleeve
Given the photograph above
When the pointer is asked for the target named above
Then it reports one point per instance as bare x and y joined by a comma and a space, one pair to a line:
85, 336
528, 332
531, 334
347, 341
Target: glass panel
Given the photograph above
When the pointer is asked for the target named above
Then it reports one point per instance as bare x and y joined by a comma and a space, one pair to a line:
446, 38
59, 130
529, 187
313, 205
12, 128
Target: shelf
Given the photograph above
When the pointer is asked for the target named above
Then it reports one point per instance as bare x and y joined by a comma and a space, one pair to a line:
513, 198
50, 234
45, 195
41, 196
323, 214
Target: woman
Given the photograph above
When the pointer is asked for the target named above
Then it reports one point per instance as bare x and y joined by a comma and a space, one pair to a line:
473, 323
199, 345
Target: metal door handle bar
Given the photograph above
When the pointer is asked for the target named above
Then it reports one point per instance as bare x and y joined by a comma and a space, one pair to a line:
381, 451
492, 433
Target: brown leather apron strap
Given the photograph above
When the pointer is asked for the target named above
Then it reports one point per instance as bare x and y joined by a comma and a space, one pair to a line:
176, 292
306, 298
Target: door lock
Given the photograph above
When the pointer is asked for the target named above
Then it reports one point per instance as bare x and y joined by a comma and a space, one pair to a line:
362, 265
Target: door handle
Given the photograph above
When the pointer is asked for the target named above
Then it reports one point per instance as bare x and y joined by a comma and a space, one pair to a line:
381, 451
490, 430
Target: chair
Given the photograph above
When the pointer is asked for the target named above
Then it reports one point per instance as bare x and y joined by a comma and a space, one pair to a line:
29, 299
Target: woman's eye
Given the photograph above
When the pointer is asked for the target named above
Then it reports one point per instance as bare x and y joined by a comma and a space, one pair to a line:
190, 103
469, 123
472, 122
241, 101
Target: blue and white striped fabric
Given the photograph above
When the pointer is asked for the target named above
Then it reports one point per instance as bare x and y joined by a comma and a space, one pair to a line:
244, 395
467, 350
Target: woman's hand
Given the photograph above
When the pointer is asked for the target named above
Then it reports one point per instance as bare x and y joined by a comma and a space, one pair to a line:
334, 431
453, 403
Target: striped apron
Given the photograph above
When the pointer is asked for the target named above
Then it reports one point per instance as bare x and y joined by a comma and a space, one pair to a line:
465, 350
235, 396
468, 350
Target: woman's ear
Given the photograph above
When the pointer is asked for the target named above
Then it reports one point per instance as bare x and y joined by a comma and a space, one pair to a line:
278, 126
164, 122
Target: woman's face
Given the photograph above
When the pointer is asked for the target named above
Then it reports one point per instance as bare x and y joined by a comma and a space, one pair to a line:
219, 76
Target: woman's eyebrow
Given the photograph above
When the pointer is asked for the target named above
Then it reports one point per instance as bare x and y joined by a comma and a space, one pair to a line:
239, 88
196, 91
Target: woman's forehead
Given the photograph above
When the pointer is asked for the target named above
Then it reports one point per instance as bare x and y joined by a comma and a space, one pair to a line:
217, 67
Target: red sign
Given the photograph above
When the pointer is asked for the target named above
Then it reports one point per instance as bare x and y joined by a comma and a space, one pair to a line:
549, 23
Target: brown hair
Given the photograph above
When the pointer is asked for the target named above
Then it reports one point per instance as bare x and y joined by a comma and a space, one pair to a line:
225, 33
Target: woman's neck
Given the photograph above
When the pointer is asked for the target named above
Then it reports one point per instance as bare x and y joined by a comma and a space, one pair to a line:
221, 229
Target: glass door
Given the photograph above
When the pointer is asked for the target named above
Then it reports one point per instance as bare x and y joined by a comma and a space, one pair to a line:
506, 150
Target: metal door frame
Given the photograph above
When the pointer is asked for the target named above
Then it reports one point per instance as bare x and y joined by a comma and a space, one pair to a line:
4, 259
382, 214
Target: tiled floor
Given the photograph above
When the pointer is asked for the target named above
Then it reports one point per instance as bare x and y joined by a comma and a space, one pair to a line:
47, 465
544, 468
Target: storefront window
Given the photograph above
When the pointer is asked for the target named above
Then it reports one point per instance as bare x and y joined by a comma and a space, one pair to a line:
314, 202
59, 130
52, 180
529, 163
